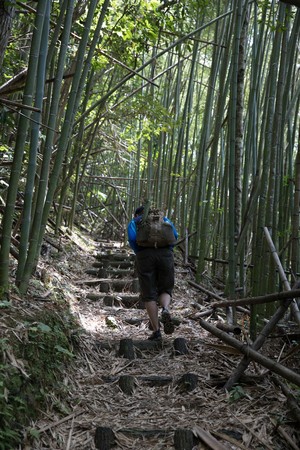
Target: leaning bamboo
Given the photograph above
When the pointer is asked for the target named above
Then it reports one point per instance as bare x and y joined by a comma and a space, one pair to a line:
294, 306
249, 352
257, 300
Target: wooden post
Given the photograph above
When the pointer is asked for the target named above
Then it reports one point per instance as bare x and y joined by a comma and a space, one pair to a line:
104, 438
127, 384
188, 382
183, 439
126, 349
180, 346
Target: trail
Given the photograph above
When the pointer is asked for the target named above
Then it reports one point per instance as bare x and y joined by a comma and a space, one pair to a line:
145, 399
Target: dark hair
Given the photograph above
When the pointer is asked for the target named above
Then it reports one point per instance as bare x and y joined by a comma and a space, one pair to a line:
139, 210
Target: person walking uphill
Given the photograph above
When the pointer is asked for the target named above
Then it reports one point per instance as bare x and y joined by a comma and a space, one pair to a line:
152, 239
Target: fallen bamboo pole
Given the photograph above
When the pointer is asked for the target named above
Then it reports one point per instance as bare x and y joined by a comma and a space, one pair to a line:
295, 293
206, 291
251, 354
257, 344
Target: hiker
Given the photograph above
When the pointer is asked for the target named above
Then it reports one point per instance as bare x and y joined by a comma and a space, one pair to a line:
155, 268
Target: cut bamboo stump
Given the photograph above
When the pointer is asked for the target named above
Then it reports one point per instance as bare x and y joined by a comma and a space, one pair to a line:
180, 346
184, 439
126, 349
104, 438
188, 382
127, 384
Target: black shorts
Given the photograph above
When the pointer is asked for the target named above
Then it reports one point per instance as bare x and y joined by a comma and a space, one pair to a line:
155, 267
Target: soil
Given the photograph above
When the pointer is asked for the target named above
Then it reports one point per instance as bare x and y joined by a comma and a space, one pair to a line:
160, 402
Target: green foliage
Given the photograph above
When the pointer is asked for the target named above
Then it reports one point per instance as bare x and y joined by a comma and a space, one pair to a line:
236, 393
32, 367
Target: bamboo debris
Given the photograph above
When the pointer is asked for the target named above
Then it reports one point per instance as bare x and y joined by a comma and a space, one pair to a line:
252, 354
268, 328
285, 435
291, 401
59, 422
227, 438
258, 437
156, 374
207, 438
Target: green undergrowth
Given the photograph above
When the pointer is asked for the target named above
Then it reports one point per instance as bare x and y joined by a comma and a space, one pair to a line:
37, 347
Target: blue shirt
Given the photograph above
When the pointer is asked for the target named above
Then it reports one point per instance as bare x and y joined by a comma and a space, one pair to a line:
131, 231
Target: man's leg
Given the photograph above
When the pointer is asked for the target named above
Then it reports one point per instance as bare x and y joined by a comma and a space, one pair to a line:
152, 310
164, 300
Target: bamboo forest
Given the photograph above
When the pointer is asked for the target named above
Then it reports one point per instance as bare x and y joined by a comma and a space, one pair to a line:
189, 108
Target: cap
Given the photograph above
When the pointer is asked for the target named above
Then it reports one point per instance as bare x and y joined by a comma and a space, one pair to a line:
139, 210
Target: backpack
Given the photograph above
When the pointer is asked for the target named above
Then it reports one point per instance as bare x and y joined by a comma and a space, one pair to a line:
154, 231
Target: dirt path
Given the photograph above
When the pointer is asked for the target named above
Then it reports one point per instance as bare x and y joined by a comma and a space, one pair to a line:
160, 403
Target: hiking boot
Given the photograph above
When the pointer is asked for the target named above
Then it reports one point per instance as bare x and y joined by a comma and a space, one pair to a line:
155, 336
167, 321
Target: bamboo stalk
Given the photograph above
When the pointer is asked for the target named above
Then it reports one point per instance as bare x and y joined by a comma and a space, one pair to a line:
294, 306
257, 300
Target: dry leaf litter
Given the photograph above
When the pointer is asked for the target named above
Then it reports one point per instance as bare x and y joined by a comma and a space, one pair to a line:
96, 399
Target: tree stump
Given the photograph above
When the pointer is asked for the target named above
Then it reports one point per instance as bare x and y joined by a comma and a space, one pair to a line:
102, 273
104, 287
104, 438
180, 346
183, 439
127, 384
188, 382
126, 349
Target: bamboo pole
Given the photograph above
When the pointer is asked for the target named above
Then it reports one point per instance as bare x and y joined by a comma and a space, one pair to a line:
257, 300
294, 306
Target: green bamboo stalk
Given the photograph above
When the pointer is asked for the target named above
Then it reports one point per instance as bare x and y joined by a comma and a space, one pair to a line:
43, 182
207, 163
33, 151
23, 124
